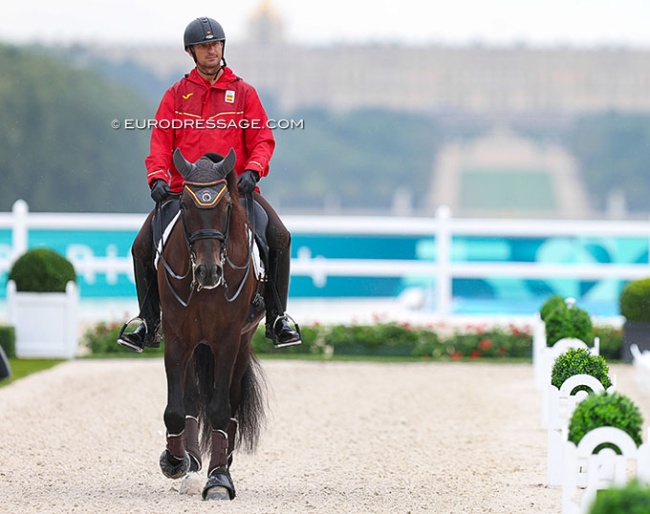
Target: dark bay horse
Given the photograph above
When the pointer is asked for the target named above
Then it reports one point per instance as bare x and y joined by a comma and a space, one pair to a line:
207, 282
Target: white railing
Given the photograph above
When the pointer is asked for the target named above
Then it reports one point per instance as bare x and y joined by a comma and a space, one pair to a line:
441, 228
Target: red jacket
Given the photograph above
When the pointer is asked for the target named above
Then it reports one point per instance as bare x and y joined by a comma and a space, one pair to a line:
198, 117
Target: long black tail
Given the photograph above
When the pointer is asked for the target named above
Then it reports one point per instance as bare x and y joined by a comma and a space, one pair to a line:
251, 411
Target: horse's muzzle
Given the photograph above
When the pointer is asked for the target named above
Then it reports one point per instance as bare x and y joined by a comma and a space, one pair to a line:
208, 276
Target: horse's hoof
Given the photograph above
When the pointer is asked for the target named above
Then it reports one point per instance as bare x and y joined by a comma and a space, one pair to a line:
216, 493
191, 484
172, 467
219, 485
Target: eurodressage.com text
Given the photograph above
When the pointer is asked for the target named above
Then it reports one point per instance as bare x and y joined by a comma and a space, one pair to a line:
200, 124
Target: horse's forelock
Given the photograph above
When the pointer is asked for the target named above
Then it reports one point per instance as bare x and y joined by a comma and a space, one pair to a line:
214, 157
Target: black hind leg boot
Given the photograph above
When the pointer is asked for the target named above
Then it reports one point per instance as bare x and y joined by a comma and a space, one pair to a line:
147, 333
278, 327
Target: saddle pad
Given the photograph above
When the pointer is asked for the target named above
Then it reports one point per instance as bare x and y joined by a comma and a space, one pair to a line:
160, 243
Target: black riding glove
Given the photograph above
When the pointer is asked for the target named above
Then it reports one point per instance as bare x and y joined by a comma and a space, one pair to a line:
160, 190
247, 182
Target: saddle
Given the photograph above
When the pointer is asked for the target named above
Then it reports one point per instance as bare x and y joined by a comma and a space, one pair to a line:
259, 221
168, 212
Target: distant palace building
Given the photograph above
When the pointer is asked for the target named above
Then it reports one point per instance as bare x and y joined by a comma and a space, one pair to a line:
441, 79
499, 174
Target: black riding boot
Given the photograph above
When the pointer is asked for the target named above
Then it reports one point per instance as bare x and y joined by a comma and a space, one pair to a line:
147, 334
278, 327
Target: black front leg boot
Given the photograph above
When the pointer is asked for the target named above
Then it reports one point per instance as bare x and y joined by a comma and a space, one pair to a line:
147, 333
278, 324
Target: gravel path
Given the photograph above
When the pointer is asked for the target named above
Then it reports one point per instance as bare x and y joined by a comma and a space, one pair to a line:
85, 436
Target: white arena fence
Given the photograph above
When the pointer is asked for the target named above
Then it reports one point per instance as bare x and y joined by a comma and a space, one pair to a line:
437, 267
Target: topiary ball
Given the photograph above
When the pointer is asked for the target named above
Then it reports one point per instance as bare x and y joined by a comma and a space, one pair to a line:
550, 305
634, 301
579, 361
42, 270
574, 323
606, 410
632, 498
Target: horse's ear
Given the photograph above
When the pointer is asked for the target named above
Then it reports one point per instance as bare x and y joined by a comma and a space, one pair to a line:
228, 164
182, 164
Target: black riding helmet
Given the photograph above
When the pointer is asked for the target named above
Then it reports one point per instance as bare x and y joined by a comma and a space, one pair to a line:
204, 30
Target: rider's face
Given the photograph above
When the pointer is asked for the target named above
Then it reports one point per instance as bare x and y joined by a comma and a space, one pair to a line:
208, 56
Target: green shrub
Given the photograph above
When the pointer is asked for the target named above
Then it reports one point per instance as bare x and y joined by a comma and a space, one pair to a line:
606, 410
611, 341
42, 270
571, 322
580, 362
633, 498
479, 342
102, 339
390, 339
634, 300
429, 344
552, 304
8, 340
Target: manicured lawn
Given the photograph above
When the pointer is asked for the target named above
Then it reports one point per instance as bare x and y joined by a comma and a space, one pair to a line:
23, 367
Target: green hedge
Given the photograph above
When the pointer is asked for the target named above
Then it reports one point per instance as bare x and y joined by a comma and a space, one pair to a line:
611, 341
8, 340
102, 339
380, 339
388, 339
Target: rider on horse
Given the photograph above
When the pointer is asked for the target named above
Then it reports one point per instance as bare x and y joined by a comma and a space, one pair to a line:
210, 110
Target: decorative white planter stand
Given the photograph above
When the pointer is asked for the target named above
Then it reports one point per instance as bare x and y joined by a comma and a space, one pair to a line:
641, 362
585, 472
561, 404
45, 323
550, 353
539, 344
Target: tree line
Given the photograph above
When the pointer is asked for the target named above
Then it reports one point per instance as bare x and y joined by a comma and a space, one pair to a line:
62, 153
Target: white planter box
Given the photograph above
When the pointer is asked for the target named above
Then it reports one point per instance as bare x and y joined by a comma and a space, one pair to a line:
549, 355
45, 323
586, 472
561, 405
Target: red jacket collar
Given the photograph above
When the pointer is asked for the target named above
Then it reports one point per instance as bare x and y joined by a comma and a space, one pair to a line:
227, 77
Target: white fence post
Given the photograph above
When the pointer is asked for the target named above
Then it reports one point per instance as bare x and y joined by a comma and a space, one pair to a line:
443, 252
20, 212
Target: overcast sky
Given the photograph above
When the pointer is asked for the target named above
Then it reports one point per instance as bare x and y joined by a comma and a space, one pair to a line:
318, 22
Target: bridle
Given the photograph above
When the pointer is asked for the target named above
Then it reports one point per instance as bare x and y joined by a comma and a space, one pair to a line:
207, 195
